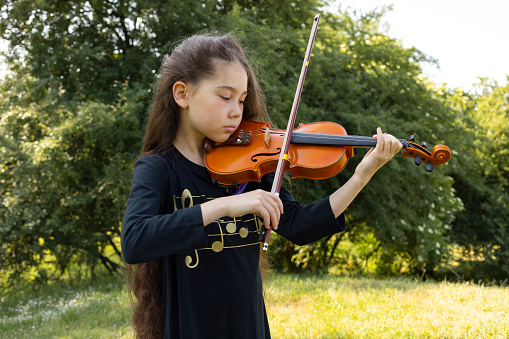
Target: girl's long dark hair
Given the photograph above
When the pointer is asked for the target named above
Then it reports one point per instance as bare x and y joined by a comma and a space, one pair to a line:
193, 60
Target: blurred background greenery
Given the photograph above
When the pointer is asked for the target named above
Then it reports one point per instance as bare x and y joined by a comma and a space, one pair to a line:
75, 98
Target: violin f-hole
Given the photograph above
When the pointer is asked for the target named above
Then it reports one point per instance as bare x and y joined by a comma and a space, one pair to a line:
253, 158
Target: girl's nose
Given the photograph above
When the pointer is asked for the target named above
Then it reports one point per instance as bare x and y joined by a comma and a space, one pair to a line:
237, 111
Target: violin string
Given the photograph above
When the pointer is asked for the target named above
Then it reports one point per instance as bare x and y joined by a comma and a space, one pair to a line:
327, 139
326, 136
331, 139
350, 140
344, 140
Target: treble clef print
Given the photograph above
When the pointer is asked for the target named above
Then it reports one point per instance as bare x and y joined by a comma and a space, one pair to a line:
187, 196
189, 260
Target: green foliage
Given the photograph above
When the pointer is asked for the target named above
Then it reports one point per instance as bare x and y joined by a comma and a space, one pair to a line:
363, 79
65, 172
71, 128
482, 229
91, 47
74, 109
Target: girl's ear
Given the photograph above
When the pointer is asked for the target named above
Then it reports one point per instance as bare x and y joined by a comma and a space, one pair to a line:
181, 94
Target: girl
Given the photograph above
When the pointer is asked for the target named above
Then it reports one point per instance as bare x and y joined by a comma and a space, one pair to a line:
195, 245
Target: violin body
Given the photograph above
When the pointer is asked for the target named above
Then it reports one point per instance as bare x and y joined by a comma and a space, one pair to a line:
318, 150
238, 160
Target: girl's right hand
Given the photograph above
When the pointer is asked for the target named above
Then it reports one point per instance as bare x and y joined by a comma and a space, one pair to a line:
261, 203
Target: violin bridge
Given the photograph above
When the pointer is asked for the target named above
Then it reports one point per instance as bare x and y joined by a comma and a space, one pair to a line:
266, 137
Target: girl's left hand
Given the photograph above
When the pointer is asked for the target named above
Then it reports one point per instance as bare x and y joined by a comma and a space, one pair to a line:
386, 147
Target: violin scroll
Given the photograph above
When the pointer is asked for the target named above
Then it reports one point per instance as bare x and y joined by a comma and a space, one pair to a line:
440, 154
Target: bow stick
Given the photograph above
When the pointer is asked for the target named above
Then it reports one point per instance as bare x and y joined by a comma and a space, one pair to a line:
283, 157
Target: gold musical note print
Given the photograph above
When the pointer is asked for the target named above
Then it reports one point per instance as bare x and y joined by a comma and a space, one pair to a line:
189, 260
232, 233
231, 227
218, 246
243, 232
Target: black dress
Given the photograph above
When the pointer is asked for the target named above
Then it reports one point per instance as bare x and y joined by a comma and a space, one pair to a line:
212, 283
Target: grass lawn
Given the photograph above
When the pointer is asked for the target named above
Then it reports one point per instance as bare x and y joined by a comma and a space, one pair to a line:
334, 307
297, 306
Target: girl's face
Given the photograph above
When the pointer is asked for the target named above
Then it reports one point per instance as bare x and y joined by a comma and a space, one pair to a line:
215, 105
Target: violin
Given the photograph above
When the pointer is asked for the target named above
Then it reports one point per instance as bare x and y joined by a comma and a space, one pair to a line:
317, 150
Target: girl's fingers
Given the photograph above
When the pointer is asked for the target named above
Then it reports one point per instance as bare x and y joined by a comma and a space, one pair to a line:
395, 144
381, 141
387, 143
275, 207
386, 147
272, 207
267, 206
264, 212
266, 218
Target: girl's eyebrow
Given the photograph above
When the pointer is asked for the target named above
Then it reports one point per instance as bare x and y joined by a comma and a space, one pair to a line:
229, 88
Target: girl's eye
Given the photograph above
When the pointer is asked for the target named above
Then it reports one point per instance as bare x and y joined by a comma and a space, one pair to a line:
225, 98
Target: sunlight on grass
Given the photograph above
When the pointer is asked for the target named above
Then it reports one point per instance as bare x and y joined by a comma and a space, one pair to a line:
100, 310
297, 306
331, 307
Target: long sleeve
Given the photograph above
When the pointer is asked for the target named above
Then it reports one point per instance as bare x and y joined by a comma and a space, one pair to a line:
147, 233
305, 224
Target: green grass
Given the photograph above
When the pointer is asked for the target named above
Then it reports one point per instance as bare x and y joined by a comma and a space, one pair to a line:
333, 307
98, 310
297, 306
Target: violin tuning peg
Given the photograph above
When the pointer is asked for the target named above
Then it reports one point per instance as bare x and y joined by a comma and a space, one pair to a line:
240, 137
430, 167
424, 144
417, 160
412, 138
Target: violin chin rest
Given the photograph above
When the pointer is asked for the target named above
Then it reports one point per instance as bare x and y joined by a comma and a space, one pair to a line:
207, 145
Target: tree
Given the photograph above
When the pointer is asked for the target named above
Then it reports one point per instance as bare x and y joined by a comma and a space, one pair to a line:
362, 79
89, 48
77, 117
73, 113
481, 230
65, 172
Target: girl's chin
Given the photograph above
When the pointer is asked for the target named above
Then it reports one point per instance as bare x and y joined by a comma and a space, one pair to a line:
219, 139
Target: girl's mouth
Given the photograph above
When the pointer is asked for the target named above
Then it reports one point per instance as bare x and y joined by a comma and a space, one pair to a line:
231, 128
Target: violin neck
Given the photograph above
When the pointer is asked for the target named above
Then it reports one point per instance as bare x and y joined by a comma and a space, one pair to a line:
335, 140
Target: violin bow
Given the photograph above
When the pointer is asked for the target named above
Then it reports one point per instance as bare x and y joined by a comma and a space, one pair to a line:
283, 157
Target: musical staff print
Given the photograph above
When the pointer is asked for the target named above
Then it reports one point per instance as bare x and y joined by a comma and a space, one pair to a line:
224, 233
